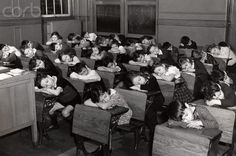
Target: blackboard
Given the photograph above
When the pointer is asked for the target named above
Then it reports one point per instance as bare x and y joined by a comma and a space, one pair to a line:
142, 19
108, 18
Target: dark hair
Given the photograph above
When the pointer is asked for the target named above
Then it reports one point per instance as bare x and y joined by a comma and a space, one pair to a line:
209, 47
52, 46
175, 110
184, 60
114, 41
106, 60
160, 65
24, 44
217, 75
194, 51
185, 40
71, 36
56, 34
149, 47
166, 45
223, 44
78, 67
93, 92
32, 63
70, 52
135, 55
39, 77
131, 75
209, 88
122, 39
2, 46
145, 37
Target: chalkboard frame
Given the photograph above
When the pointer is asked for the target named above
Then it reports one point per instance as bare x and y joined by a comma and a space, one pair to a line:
152, 3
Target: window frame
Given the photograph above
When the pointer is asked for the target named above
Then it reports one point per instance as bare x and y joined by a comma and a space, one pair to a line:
54, 9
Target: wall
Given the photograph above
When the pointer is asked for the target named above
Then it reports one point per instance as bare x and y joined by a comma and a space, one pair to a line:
232, 29
203, 20
64, 25
19, 19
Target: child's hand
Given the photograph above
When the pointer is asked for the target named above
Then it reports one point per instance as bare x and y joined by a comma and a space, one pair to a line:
195, 124
213, 102
57, 60
36, 89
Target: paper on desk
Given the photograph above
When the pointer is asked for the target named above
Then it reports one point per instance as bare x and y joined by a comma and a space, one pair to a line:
3, 68
4, 76
17, 71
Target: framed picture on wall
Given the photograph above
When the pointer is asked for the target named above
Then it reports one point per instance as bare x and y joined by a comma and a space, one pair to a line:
141, 19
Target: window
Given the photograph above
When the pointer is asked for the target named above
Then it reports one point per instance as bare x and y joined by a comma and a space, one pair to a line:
108, 18
55, 8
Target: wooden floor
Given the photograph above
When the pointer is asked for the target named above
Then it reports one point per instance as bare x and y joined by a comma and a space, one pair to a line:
62, 144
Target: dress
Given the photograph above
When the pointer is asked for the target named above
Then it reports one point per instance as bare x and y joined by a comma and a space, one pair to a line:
154, 103
229, 96
117, 100
69, 96
201, 77
181, 91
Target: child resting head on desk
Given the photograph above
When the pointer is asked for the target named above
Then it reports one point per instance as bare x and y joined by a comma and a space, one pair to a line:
65, 93
218, 94
98, 96
83, 72
142, 82
67, 57
190, 116
110, 65
172, 73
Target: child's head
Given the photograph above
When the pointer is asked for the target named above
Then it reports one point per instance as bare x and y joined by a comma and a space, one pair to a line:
92, 37
138, 56
215, 50
160, 69
217, 75
36, 63
81, 69
137, 78
153, 49
67, 56
71, 36
212, 90
85, 43
223, 44
29, 52
55, 36
45, 81
186, 63
25, 44
180, 111
138, 46
167, 46
96, 93
197, 54
108, 61
146, 40
96, 49
224, 47
185, 40
4, 48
